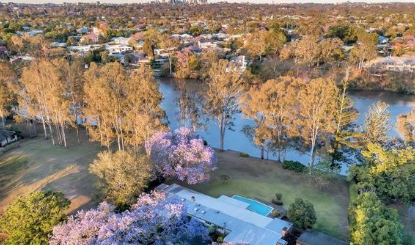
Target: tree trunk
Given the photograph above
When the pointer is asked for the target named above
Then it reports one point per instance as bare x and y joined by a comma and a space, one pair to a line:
44, 128
51, 133
279, 155
222, 141
58, 134
311, 164
262, 152
3, 122
171, 68
222, 132
64, 136
77, 128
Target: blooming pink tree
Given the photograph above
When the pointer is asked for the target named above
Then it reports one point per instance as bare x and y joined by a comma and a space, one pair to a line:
180, 154
155, 219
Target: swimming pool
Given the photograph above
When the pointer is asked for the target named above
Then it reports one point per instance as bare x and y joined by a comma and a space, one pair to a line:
255, 206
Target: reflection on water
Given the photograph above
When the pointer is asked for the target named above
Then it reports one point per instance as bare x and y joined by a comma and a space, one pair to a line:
236, 140
398, 104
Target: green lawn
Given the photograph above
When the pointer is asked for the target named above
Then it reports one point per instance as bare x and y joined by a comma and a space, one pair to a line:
261, 179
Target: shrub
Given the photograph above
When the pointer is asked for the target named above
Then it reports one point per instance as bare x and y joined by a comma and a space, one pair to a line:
302, 214
294, 166
277, 202
278, 196
275, 213
225, 178
30, 219
220, 239
244, 154
212, 229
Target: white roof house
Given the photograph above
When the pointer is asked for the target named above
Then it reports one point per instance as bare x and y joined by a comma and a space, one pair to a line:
231, 217
118, 49
84, 48
393, 63
121, 40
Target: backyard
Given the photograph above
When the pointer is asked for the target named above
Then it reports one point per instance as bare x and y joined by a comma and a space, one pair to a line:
261, 179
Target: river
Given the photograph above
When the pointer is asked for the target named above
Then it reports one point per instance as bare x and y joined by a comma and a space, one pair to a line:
237, 141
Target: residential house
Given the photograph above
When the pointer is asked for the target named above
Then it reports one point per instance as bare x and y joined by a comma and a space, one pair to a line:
208, 44
241, 62
400, 64
231, 217
121, 40
84, 48
83, 30
7, 137
35, 32
58, 45
90, 38
118, 49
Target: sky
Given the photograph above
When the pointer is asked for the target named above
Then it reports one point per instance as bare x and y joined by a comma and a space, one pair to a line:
235, 1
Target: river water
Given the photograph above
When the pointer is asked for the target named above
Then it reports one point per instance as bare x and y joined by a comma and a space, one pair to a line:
237, 141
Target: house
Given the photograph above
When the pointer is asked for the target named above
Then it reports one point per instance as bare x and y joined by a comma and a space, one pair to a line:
35, 32
317, 238
241, 62
83, 30
400, 64
90, 38
383, 40
121, 40
7, 137
207, 44
230, 216
84, 48
58, 45
118, 49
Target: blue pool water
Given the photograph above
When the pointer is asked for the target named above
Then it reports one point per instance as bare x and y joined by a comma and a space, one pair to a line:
255, 206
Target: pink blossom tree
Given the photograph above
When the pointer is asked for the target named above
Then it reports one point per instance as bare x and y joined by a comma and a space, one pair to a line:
180, 154
155, 219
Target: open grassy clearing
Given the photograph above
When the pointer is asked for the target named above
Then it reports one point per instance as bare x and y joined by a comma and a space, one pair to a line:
261, 179
38, 165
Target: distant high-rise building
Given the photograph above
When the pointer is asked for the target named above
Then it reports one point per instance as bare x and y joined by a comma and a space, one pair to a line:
187, 1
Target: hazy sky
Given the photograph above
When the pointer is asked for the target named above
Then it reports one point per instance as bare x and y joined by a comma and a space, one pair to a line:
235, 1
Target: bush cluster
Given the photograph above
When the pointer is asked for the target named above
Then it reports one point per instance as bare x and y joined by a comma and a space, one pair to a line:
294, 166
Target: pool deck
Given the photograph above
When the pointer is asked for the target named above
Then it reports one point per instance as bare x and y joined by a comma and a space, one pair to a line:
256, 201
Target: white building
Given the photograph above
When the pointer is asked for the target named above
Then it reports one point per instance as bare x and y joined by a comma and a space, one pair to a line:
231, 217
121, 40
241, 62
207, 44
400, 64
118, 49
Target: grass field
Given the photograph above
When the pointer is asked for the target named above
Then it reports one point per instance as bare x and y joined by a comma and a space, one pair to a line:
38, 165
261, 179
